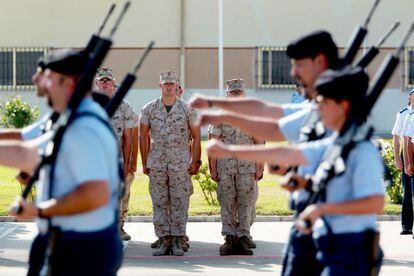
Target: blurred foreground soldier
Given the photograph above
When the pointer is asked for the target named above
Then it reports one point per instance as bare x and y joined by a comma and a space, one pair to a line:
168, 163
123, 122
344, 223
311, 55
237, 182
78, 233
398, 145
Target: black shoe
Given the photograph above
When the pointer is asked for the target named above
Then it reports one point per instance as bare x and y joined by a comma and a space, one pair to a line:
244, 248
406, 232
230, 246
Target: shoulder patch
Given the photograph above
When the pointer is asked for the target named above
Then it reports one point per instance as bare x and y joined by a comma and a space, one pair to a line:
403, 110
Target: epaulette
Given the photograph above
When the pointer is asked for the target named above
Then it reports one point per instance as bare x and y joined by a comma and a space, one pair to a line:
411, 113
403, 110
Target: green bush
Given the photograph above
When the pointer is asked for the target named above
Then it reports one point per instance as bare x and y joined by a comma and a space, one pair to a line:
394, 190
16, 113
208, 185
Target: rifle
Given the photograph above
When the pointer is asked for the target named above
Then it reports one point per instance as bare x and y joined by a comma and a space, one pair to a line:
357, 39
374, 50
333, 162
95, 59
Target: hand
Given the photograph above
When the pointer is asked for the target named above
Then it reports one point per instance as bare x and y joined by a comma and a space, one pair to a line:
133, 167
277, 169
258, 175
193, 169
23, 178
198, 101
291, 178
217, 149
29, 210
214, 175
146, 170
410, 169
310, 214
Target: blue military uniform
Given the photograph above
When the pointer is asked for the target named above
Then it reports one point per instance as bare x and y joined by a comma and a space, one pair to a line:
83, 243
344, 241
86, 243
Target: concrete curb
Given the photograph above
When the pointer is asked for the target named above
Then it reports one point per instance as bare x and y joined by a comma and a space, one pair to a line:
217, 218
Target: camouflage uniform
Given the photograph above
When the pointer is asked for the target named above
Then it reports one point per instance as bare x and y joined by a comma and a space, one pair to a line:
168, 160
236, 190
124, 118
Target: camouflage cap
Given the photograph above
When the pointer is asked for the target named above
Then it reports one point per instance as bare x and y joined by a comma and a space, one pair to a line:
169, 76
104, 72
236, 84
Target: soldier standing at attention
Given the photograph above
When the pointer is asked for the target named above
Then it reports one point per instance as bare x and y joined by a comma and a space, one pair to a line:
124, 122
168, 162
397, 138
236, 190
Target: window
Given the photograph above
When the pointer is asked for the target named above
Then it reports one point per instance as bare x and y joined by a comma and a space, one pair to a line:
274, 68
17, 66
410, 67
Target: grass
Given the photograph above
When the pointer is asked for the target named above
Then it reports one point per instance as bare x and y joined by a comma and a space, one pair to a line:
272, 199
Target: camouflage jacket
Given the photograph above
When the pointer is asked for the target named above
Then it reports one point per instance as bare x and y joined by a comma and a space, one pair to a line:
124, 117
231, 135
170, 133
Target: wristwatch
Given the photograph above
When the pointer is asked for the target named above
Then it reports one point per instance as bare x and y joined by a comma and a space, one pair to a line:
199, 162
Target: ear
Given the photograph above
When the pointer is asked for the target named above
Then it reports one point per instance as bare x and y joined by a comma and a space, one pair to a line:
345, 106
321, 60
70, 83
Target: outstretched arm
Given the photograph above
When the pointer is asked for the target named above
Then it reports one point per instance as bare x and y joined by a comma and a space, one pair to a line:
287, 155
248, 106
258, 128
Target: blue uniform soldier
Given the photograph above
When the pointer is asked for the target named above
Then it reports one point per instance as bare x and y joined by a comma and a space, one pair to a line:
397, 135
344, 223
76, 209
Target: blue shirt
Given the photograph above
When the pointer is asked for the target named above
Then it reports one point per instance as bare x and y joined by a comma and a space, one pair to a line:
291, 125
362, 178
36, 129
291, 108
89, 152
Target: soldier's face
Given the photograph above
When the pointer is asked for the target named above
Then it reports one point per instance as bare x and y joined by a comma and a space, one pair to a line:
179, 92
235, 94
38, 81
59, 89
106, 85
411, 98
306, 71
333, 113
169, 89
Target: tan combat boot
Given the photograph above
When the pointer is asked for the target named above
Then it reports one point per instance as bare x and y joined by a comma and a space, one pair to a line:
124, 235
176, 248
229, 247
155, 244
164, 248
244, 246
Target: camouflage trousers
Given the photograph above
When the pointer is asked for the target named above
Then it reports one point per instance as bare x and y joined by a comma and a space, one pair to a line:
236, 194
170, 193
123, 216
256, 196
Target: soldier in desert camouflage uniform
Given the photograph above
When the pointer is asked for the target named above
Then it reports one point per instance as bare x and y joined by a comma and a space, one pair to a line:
123, 122
168, 162
237, 184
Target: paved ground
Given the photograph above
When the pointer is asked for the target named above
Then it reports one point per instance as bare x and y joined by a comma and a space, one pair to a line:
203, 257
